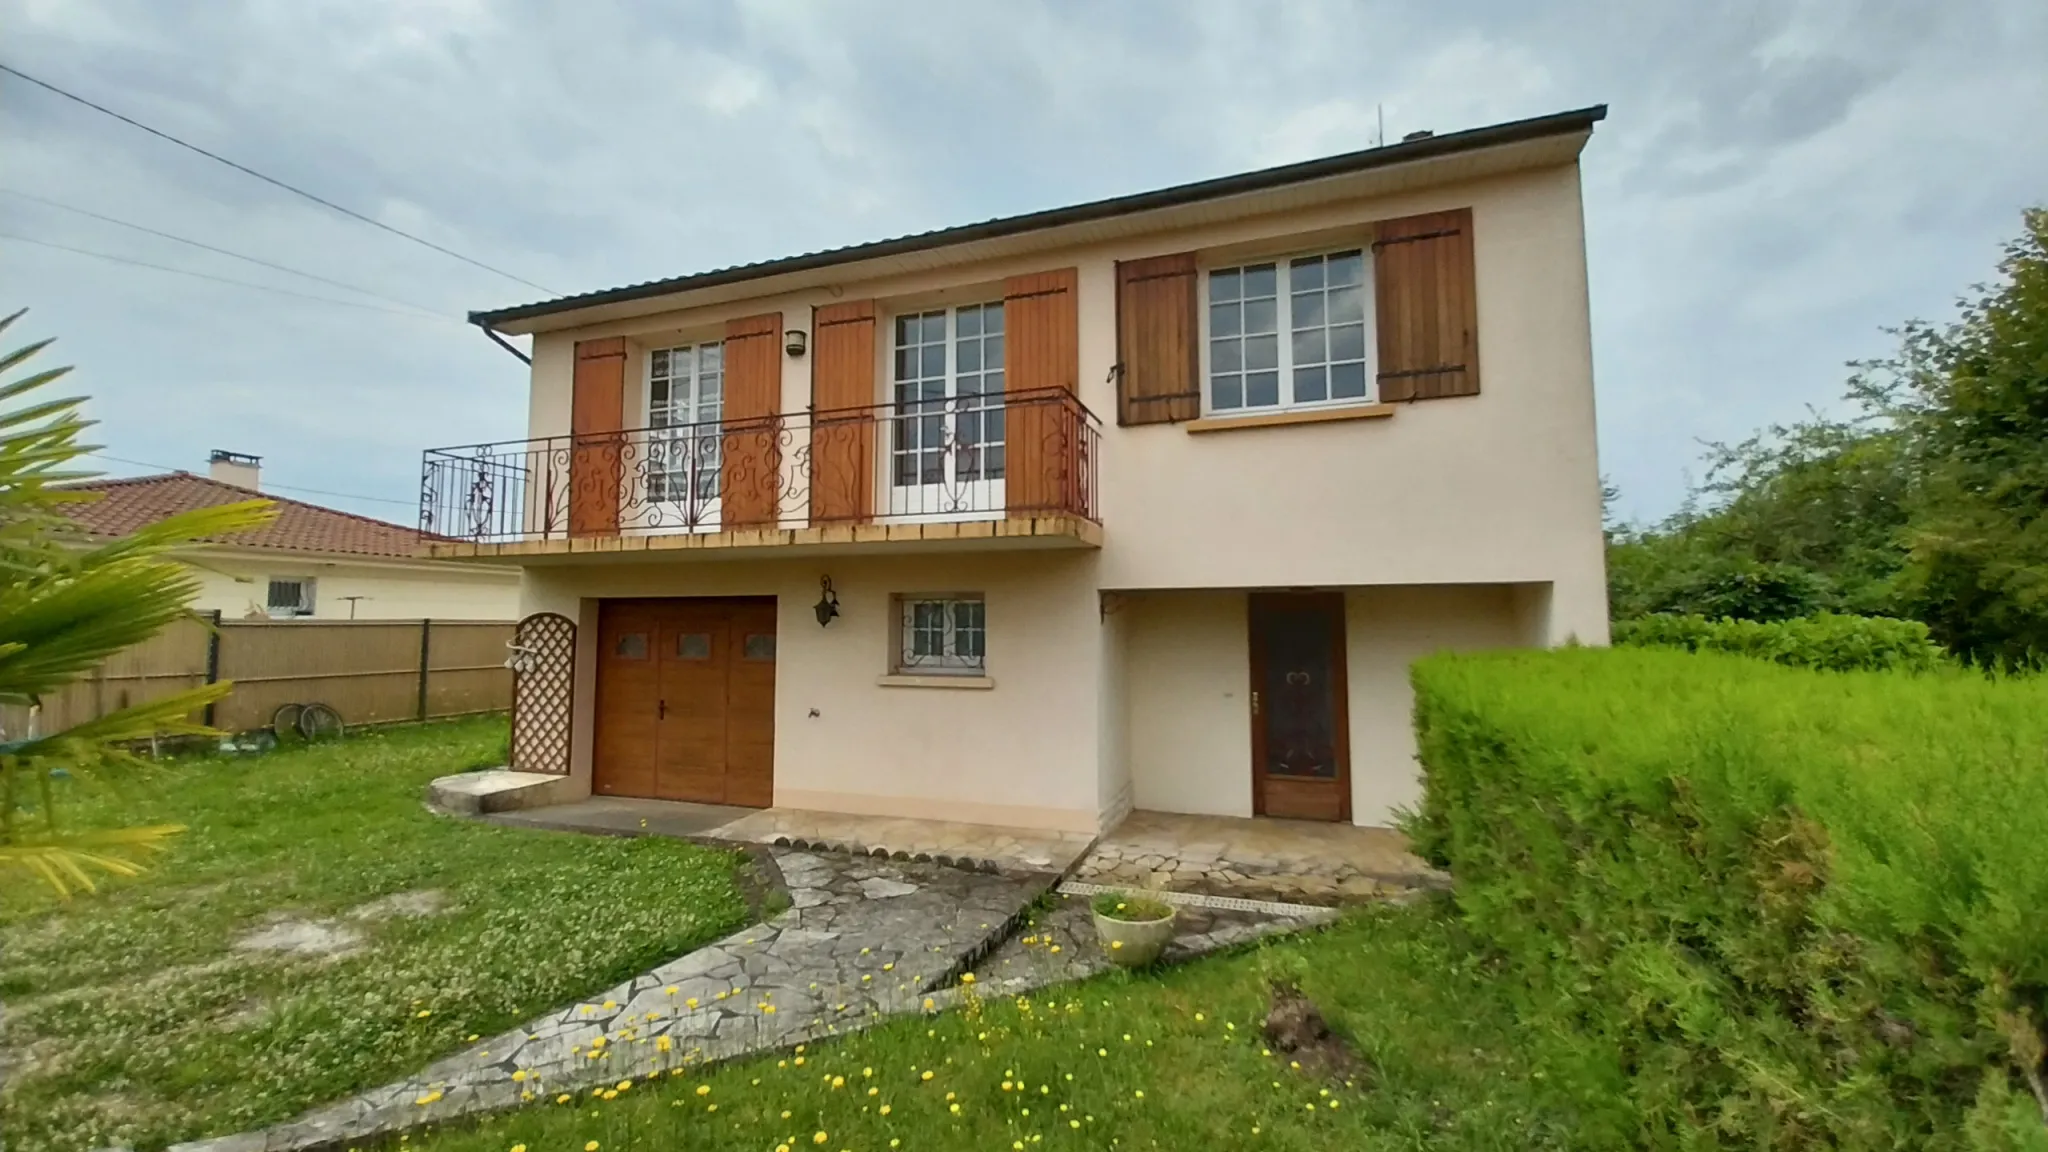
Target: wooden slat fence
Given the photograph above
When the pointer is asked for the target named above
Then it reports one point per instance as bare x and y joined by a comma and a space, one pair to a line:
370, 671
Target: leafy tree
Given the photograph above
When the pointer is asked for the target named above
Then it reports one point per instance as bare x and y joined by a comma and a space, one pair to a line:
67, 602
1974, 397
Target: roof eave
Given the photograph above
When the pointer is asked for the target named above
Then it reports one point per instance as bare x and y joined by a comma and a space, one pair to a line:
1580, 120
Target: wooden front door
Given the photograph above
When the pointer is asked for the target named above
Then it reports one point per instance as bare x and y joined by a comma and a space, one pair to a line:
686, 700
1301, 755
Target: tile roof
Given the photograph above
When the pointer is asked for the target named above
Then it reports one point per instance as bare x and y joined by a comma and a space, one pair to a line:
126, 505
1413, 148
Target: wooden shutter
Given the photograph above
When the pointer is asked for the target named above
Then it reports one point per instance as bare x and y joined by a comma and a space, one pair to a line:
597, 417
750, 470
843, 413
1041, 371
1427, 311
1158, 364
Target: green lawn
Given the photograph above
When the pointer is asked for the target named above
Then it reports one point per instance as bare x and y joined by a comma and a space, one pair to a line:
133, 1017
1171, 1061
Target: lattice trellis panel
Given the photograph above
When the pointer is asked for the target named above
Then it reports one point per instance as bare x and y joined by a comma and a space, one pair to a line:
543, 675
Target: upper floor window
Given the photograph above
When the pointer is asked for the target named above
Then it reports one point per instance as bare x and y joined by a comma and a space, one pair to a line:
1289, 333
685, 401
947, 382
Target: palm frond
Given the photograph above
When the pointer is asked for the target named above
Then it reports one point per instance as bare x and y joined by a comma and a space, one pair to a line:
63, 862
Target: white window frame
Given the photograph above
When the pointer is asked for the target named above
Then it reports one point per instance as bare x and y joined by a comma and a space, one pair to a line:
302, 609
696, 507
1284, 333
952, 634
952, 497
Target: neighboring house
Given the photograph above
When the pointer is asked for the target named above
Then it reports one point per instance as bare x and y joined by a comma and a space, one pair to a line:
1148, 501
310, 562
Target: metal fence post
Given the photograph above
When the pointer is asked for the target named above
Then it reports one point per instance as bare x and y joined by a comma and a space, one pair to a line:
212, 658
426, 631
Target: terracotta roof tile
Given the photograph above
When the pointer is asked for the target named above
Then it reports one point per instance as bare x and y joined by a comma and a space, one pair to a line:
126, 505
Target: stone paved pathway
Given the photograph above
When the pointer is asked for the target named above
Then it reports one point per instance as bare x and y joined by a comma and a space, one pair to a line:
1292, 861
864, 938
1060, 942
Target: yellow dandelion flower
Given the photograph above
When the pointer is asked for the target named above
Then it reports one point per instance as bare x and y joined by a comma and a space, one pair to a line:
768, 1008
1199, 1017
799, 1061
785, 1113
1073, 1123
671, 990
624, 1084
608, 1094
953, 1108
949, 1095
930, 1003
1055, 947
782, 1148
599, 1042
1115, 944
839, 1081
1140, 1094
1311, 1106
424, 1013
562, 1099
592, 1146
1294, 1064
520, 1074
703, 1089
711, 1107
663, 1043
820, 1138
519, 1148
1336, 1103
1229, 1025
926, 1075
1006, 1085
1102, 1051
967, 977
884, 1110
690, 1003
889, 967
472, 1038
610, 1004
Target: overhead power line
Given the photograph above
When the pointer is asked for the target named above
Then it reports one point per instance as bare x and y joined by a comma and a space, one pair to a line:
227, 279
211, 248
272, 180
266, 487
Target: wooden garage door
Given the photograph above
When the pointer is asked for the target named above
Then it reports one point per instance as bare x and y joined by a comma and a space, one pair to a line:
686, 700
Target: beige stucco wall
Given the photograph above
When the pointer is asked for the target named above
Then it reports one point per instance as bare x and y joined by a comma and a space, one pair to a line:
238, 585
1501, 487
1023, 753
1188, 670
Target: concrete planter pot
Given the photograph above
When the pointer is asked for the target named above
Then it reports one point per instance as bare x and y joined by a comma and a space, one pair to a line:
1134, 943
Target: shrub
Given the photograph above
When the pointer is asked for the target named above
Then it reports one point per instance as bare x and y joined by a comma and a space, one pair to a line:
1827, 641
1755, 906
1124, 906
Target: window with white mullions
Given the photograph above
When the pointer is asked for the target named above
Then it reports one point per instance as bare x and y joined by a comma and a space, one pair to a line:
1290, 333
945, 635
685, 402
947, 441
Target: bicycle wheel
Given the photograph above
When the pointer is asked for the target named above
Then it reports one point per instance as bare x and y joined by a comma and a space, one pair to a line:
284, 723
318, 722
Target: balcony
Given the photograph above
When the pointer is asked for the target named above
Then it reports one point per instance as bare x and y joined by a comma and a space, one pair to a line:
1011, 469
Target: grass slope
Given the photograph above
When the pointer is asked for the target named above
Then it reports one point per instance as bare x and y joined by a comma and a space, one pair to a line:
1172, 1061
132, 1017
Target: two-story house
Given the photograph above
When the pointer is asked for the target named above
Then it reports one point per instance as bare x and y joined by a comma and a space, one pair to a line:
1143, 502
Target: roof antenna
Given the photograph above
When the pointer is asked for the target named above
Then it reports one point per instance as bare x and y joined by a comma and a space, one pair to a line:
1382, 141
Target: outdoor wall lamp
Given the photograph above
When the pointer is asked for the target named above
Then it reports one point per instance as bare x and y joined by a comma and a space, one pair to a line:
793, 342
828, 602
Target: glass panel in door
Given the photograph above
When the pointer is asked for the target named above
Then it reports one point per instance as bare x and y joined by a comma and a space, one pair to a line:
946, 450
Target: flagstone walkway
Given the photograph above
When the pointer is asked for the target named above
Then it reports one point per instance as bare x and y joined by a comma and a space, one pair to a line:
864, 938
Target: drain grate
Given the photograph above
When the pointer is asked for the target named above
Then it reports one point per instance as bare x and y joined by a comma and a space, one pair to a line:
1200, 900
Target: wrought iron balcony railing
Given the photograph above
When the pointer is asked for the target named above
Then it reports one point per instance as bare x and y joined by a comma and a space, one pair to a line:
957, 458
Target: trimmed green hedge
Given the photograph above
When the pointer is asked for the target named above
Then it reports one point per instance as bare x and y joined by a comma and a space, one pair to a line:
1830, 641
1753, 906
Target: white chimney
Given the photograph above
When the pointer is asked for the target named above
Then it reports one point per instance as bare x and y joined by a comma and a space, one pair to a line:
237, 468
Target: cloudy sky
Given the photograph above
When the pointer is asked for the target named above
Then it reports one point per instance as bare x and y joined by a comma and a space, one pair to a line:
1777, 180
